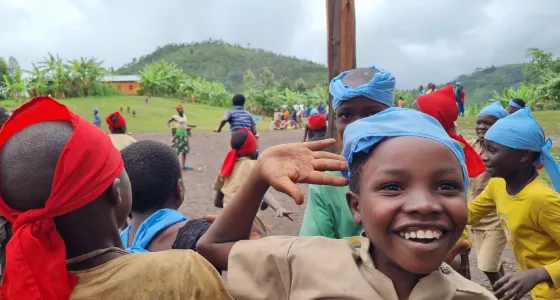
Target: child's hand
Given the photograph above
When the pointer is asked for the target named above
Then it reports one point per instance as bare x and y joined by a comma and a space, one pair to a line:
282, 212
283, 166
516, 285
456, 250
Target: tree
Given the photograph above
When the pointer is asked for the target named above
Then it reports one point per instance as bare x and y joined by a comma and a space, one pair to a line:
267, 79
249, 81
299, 85
13, 66
284, 84
3, 70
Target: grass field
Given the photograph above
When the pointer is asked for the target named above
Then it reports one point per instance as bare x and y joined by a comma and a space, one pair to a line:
151, 117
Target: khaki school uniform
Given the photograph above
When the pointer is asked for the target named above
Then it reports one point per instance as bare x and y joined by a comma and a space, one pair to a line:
164, 275
320, 268
121, 141
488, 233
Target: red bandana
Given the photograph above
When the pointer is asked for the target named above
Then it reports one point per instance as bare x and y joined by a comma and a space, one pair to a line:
442, 106
88, 164
178, 106
317, 121
249, 147
119, 122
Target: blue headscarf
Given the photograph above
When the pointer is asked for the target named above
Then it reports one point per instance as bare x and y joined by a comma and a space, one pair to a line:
314, 112
151, 227
96, 109
379, 88
513, 104
495, 109
363, 134
521, 131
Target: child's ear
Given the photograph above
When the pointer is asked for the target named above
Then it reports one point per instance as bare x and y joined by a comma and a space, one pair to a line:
115, 196
353, 201
180, 189
526, 155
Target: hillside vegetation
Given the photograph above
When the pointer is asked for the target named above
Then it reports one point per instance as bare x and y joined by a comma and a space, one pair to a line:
226, 63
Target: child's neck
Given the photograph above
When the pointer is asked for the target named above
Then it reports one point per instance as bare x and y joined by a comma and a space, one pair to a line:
520, 180
403, 281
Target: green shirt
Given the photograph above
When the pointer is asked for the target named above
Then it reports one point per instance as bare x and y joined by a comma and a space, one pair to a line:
327, 213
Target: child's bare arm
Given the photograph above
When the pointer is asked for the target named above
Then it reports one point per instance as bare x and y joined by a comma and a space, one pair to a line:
276, 206
282, 167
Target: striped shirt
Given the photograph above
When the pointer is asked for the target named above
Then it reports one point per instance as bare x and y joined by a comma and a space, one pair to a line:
238, 118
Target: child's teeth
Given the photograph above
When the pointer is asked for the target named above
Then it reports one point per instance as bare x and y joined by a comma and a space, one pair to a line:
421, 234
406, 235
429, 234
413, 235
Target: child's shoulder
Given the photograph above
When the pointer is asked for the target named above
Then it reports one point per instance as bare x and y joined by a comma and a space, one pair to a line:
466, 289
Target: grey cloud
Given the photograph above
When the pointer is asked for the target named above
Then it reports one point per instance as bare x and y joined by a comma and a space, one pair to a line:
419, 41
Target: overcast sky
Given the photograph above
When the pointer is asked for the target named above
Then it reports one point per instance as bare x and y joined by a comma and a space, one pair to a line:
419, 41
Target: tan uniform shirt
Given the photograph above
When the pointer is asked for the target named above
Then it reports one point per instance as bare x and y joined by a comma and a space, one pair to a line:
164, 275
231, 184
320, 268
477, 185
121, 141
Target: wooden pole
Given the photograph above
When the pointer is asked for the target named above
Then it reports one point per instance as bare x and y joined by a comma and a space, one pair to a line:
341, 30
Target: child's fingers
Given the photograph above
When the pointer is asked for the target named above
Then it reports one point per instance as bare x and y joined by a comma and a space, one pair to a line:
286, 186
322, 178
324, 164
210, 218
319, 145
327, 155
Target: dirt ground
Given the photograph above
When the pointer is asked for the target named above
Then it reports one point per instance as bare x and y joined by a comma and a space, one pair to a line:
207, 153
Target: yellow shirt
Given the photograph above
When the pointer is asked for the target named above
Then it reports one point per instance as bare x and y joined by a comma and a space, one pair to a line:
231, 184
121, 141
477, 185
164, 275
303, 268
530, 220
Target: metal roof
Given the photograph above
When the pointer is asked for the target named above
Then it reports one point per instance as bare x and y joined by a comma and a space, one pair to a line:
120, 78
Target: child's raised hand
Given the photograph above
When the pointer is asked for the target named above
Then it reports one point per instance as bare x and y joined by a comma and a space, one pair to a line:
283, 166
516, 285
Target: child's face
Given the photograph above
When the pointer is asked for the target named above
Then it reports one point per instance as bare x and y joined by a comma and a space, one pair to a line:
412, 203
483, 123
501, 161
354, 109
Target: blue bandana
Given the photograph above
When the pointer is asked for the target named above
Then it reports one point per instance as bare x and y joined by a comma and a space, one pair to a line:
513, 104
521, 131
363, 134
379, 88
495, 109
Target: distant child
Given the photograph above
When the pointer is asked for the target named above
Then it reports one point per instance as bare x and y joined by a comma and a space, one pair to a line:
96, 118
66, 242
117, 126
408, 186
515, 105
180, 140
238, 117
237, 166
528, 208
316, 128
488, 234
401, 102
357, 94
157, 193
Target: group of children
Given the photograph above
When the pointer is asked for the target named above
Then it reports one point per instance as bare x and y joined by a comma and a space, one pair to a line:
404, 174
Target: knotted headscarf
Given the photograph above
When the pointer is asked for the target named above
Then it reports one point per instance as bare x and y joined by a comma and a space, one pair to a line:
316, 122
442, 106
178, 107
248, 147
380, 88
521, 131
115, 120
88, 165
362, 135
513, 104
495, 109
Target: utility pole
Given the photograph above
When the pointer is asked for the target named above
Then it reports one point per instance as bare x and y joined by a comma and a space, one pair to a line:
341, 31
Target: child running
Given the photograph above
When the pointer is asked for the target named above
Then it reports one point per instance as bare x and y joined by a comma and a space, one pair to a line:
117, 126
237, 166
66, 242
528, 208
357, 94
408, 186
488, 234
316, 127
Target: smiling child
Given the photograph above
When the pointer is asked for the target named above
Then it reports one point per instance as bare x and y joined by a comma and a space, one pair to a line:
407, 188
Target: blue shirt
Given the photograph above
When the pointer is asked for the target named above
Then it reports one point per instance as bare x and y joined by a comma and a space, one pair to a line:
238, 118
97, 120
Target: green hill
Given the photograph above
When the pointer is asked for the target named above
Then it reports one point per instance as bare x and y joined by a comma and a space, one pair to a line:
226, 63
481, 84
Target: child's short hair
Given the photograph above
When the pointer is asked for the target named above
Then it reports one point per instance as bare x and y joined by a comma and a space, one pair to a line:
238, 100
153, 169
359, 160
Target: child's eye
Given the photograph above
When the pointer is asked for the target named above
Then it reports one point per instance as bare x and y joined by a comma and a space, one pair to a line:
345, 116
391, 187
446, 186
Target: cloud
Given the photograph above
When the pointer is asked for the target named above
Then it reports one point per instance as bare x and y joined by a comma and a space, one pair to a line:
419, 41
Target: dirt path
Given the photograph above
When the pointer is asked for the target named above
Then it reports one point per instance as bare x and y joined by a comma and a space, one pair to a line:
207, 153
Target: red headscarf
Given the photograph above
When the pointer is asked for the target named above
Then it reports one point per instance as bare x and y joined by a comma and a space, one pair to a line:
249, 147
119, 123
317, 121
442, 106
88, 164
178, 106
